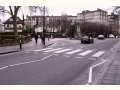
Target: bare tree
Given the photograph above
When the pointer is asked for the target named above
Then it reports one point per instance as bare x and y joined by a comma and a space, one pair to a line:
13, 12
116, 10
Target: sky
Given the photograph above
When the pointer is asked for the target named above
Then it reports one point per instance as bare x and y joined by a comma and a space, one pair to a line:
76, 6
70, 7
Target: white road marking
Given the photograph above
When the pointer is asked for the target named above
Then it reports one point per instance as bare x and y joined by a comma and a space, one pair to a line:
62, 51
78, 57
41, 49
91, 70
52, 50
75, 51
98, 54
85, 53
26, 62
3, 67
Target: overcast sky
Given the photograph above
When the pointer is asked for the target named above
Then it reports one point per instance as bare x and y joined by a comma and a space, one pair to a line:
71, 7
76, 6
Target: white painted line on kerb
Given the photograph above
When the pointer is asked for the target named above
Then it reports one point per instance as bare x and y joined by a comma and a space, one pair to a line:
62, 51
85, 53
52, 50
26, 62
41, 49
98, 54
75, 51
91, 71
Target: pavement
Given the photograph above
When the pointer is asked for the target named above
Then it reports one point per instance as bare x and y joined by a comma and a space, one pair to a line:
28, 46
110, 72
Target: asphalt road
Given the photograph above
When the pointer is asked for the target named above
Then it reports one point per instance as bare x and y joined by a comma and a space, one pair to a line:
67, 62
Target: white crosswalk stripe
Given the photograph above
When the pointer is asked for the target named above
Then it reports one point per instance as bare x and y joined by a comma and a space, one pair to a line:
41, 49
62, 51
70, 51
85, 53
53, 50
98, 54
74, 51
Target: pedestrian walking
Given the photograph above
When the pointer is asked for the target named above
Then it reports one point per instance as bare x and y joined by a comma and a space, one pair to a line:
42, 40
36, 38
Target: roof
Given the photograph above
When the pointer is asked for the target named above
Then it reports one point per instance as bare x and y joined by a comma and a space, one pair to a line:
10, 21
48, 16
88, 11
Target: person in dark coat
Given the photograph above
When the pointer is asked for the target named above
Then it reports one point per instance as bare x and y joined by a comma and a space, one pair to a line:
36, 38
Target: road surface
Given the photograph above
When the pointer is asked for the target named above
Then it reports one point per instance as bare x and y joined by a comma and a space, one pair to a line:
67, 62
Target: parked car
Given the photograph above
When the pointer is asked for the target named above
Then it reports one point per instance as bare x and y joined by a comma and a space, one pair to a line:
87, 40
111, 36
101, 37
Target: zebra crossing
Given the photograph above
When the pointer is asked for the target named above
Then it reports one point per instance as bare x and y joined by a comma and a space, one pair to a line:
98, 54
70, 51
74, 51
85, 53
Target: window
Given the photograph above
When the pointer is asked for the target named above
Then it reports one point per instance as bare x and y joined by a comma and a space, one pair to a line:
11, 25
7, 25
19, 26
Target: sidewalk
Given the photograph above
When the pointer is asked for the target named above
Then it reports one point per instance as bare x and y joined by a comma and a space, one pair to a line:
28, 46
111, 75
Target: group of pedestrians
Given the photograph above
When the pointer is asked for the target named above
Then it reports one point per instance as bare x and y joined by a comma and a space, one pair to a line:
36, 40
42, 39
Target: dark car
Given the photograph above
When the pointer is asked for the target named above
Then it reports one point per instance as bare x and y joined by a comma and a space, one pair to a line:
101, 37
87, 40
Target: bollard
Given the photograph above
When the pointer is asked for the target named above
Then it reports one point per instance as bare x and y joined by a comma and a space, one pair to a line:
20, 45
20, 42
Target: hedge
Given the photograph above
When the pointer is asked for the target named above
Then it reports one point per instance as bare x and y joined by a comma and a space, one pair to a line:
6, 40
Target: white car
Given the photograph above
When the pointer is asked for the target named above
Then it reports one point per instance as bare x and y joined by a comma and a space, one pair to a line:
111, 36
101, 37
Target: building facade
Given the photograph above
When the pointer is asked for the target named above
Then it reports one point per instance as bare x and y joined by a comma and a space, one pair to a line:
62, 23
52, 23
1, 26
113, 23
8, 25
97, 16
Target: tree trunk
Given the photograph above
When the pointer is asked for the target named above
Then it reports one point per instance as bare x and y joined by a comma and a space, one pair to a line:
15, 25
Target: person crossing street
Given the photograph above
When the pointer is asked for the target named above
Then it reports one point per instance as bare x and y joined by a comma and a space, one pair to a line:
36, 38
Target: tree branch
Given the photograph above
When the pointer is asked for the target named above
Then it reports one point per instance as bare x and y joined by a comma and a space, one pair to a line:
3, 10
11, 11
16, 9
